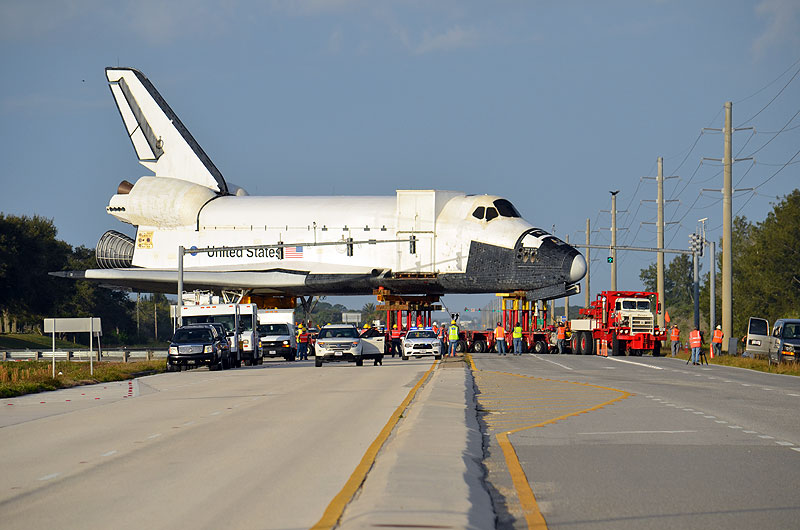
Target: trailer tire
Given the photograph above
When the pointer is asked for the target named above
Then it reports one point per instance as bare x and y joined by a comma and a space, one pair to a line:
615, 346
574, 343
460, 346
586, 343
479, 346
657, 349
539, 347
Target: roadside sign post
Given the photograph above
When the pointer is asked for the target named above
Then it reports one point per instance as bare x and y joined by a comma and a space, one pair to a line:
74, 325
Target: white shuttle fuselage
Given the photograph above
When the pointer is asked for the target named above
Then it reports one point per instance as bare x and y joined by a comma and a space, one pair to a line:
418, 241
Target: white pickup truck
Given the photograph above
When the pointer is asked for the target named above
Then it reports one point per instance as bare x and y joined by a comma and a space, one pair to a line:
780, 345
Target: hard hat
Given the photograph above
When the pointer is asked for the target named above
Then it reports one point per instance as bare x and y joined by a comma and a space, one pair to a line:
452, 321
394, 326
366, 326
719, 327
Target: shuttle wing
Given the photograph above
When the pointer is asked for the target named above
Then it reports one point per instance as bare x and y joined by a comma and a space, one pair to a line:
161, 141
158, 281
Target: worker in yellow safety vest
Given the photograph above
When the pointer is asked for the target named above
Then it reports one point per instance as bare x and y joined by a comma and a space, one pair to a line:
675, 337
716, 342
452, 337
517, 336
695, 342
500, 339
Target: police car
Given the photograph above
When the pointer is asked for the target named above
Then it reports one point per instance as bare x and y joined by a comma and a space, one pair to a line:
420, 342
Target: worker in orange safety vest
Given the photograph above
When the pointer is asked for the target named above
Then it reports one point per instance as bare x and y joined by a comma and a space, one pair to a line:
716, 342
500, 339
695, 342
562, 337
675, 337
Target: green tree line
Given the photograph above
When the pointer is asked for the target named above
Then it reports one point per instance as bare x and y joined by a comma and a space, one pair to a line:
766, 272
29, 250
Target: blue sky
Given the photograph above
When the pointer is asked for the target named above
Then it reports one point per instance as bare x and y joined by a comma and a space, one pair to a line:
551, 104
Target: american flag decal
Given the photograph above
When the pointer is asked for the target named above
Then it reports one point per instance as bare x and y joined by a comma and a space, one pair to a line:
293, 252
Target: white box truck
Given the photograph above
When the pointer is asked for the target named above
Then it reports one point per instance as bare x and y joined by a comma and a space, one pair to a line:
240, 324
277, 334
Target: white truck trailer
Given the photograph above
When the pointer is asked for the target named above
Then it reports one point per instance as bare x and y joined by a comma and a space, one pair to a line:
240, 323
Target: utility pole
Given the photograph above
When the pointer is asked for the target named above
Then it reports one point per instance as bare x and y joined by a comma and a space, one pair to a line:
138, 294
712, 267
614, 239
660, 243
155, 317
588, 263
727, 224
566, 298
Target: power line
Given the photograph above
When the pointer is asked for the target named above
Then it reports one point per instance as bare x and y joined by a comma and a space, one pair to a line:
768, 84
775, 136
773, 99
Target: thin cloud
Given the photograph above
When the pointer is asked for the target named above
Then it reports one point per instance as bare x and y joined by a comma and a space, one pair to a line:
452, 39
783, 25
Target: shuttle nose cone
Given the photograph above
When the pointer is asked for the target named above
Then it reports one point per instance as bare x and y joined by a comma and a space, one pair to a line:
578, 269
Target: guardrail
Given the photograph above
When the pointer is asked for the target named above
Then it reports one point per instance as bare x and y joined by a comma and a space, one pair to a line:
83, 355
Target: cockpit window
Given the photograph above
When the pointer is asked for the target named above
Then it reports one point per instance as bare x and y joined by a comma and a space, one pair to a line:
505, 208
478, 213
491, 213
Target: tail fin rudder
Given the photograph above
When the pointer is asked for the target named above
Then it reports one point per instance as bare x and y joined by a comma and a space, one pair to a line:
161, 141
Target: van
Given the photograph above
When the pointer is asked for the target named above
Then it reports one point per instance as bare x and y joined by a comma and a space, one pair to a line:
780, 345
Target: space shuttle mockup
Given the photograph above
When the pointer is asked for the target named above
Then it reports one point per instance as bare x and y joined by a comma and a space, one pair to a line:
416, 242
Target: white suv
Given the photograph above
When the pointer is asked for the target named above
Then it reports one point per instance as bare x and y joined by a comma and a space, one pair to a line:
341, 342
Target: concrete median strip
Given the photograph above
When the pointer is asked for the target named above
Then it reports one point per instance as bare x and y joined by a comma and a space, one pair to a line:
430, 475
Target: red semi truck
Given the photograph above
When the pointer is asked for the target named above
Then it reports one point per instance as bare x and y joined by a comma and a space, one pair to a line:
618, 323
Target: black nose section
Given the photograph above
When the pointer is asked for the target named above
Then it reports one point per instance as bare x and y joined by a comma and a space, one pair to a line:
563, 260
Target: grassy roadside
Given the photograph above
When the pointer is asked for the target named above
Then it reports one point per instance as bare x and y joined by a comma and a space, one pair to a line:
760, 365
29, 377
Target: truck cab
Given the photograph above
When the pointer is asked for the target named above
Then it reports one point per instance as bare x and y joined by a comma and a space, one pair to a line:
634, 313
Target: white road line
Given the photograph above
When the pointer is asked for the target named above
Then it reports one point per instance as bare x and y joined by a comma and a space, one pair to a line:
795, 395
734, 427
785, 444
214, 413
670, 404
188, 423
710, 417
637, 364
636, 432
110, 453
745, 384
548, 360
767, 437
750, 432
156, 435
50, 476
688, 410
727, 381
699, 412
796, 449
767, 389
721, 421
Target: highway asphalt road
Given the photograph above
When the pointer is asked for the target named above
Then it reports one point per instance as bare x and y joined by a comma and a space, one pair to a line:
598, 443
641, 442
257, 447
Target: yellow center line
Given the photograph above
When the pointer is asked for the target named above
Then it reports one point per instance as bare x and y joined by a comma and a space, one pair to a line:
530, 508
336, 507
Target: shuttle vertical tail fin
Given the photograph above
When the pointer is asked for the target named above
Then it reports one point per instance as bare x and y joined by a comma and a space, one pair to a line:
161, 141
